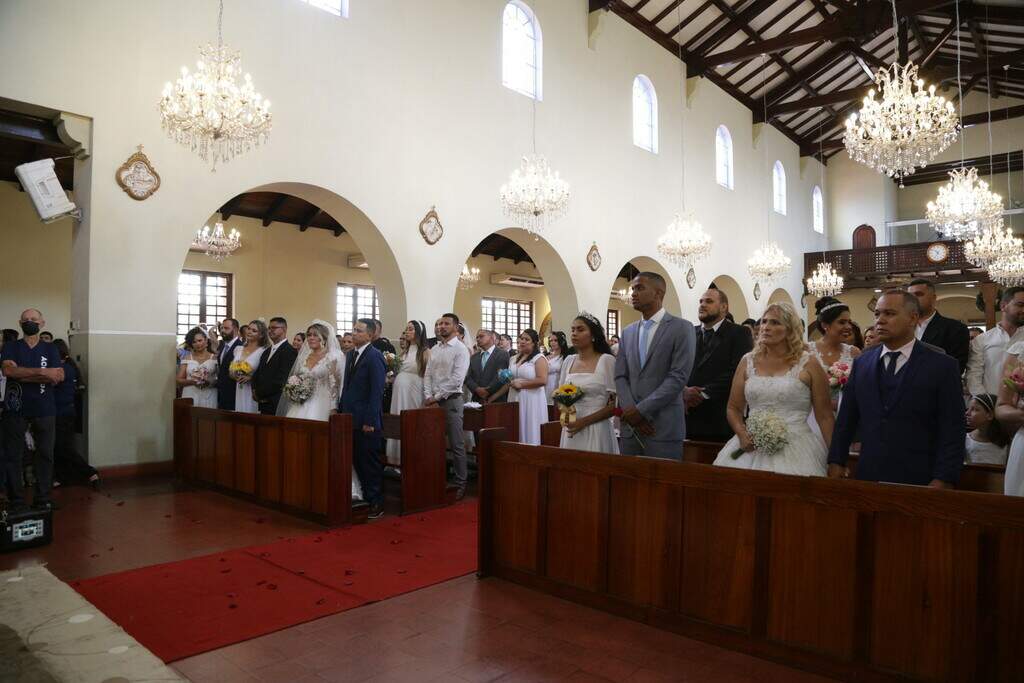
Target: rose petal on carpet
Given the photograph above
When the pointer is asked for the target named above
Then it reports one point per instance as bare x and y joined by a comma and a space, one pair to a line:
204, 603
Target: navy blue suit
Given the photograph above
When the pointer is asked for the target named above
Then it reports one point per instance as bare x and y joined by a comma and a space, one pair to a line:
363, 398
911, 425
226, 385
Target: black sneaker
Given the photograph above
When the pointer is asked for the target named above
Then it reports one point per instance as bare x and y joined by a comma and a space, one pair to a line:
376, 512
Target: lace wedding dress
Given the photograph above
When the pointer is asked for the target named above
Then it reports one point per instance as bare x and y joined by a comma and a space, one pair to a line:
790, 399
328, 375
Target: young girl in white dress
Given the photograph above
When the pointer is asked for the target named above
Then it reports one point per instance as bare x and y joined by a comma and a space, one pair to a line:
529, 383
780, 376
836, 327
197, 374
986, 441
556, 357
256, 342
592, 369
407, 391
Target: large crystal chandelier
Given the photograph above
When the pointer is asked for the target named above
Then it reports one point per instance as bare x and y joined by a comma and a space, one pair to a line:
216, 244
684, 242
468, 277
965, 206
534, 194
209, 112
825, 281
768, 264
1008, 271
992, 245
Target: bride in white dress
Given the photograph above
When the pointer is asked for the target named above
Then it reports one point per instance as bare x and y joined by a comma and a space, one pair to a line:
319, 357
781, 377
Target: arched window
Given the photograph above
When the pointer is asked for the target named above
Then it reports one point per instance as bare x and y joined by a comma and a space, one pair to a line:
521, 50
645, 114
779, 188
818, 209
723, 157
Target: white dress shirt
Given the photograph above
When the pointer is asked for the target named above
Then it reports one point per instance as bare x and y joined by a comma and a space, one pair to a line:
985, 363
275, 347
904, 356
359, 351
652, 327
922, 325
446, 369
701, 328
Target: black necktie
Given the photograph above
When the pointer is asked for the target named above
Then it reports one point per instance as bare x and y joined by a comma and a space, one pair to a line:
707, 335
890, 370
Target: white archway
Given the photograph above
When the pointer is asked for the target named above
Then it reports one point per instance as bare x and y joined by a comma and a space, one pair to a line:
737, 301
673, 303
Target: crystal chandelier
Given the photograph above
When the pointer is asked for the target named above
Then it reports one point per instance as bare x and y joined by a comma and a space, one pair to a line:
825, 281
534, 194
217, 244
965, 206
768, 264
684, 242
625, 295
468, 277
1008, 271
992, 245
209, 112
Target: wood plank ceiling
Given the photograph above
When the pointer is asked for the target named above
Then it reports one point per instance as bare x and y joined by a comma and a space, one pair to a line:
806, 64
276, 207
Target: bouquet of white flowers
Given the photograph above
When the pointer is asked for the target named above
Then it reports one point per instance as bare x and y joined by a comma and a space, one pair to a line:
299, 388
768, 432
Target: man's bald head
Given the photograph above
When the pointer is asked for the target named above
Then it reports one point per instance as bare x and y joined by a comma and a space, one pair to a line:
32, 314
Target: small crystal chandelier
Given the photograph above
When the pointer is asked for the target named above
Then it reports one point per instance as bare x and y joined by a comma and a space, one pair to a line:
768, 264
209, 112
624, 295
906, 128
534, 194
965, 206
468, 277
1008, 271
992, 245
216, 244
825, 281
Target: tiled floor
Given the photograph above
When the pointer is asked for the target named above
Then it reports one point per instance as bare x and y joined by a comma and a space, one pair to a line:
461, 630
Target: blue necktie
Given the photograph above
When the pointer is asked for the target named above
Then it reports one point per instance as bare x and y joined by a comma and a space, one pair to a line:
645, 326
483, 359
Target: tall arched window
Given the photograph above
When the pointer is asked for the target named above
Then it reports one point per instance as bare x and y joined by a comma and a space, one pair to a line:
779, 188
645, 114
723, 157
521, 50
818, 209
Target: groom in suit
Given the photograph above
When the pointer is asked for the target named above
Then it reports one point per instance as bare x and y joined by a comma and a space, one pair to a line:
905, 397
721, 344
655, 358
363, 397
275, 364
482, 377
225, 385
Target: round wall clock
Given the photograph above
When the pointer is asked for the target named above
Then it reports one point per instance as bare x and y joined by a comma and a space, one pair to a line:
937, 252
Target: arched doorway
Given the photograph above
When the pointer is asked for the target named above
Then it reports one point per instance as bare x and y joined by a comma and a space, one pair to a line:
779, 296
519, 282
737, 301
960, 307
306, 253
620, 312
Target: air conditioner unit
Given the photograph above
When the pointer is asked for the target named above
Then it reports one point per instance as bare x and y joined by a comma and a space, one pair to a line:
357, 261
511, 280
48, 197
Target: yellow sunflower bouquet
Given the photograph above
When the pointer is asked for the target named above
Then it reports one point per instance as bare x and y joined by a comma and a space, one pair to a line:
240, 368
566, 397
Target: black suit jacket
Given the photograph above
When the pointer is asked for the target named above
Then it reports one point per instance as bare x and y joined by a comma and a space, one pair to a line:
487, 376
226, 385
951, 336
271, 374
713, 369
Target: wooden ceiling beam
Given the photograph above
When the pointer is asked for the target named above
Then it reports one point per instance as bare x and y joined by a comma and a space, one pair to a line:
737, 22
314, 212
809, 72
669, 9
819, 101
228, 210
275, 206
598, 5
932, 51
688, 19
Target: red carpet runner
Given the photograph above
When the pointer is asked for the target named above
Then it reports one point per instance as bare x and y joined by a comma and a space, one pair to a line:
184, 608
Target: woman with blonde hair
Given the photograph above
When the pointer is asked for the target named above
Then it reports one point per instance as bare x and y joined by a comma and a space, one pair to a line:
780, 388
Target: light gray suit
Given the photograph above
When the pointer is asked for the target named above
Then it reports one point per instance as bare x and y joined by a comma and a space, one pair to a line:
656, 390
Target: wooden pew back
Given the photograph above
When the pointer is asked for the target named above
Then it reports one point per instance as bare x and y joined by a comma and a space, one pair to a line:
855, 580
421, 433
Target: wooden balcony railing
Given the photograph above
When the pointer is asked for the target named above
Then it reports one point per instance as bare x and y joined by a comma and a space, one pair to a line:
864, 267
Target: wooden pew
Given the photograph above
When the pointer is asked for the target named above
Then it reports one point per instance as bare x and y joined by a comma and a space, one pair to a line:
854, 580
493, 415
421, 433
302, 467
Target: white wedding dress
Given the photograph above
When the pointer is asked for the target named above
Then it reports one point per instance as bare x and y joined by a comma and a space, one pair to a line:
790, 399
328, 375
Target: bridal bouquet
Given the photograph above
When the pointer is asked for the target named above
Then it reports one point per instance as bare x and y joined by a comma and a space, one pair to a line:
1015, 380
566, 397
240, 367
299, 388
393, 362
505, 375
838, 376
201, 377
768, 431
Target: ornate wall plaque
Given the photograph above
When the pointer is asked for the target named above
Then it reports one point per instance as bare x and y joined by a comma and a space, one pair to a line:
137, 177
757, 291
431, 228
691, 278
594, 257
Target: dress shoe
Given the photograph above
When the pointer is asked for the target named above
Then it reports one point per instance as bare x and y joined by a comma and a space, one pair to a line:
376, 511
460, 494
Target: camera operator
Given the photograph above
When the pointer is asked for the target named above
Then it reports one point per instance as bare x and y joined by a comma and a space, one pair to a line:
32, 368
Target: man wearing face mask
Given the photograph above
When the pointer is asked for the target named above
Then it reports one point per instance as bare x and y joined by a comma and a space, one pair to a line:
32, 368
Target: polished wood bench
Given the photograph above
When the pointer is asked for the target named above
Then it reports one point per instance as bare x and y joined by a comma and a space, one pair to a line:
849, 579
302, 467
424, 482
491, 416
